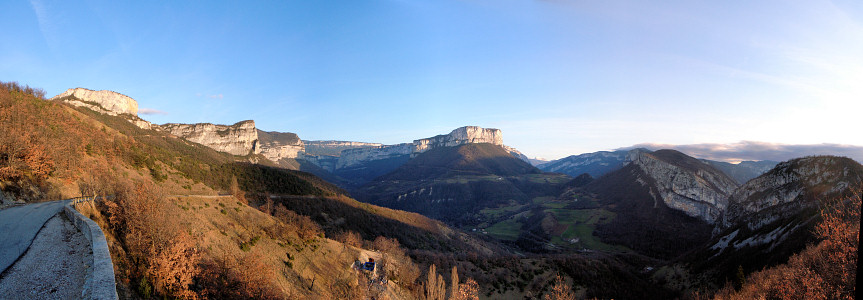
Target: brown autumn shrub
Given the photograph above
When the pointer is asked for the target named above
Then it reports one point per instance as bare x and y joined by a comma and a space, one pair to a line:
395, 262
469, 290
349, 238
243, 276
41, 139
161, 255
560, 290
306, 228
14, 86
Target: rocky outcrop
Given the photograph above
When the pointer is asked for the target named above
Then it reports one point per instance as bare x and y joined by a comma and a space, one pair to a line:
789, 188
238, 139
279, 145
459, 136
684, 183
107, 102
517, 154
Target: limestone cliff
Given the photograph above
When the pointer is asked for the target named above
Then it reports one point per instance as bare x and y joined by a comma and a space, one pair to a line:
238, 139
334, 148
684, 183
106, 102
279, 145
790, 187
459, 136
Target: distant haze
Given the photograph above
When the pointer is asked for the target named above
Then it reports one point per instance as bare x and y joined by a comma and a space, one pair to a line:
749, 150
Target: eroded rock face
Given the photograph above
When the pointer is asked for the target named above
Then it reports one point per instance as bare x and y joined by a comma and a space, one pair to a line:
688, 185
106, 102
790, 187
460, 136
238, 139
279, 145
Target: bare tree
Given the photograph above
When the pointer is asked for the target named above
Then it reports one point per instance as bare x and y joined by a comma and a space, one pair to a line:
560, 290
453, 285
435, 287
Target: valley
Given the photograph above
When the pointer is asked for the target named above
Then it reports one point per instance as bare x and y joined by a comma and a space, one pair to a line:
233, 211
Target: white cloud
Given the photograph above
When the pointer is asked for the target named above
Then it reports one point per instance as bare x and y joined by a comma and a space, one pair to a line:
150, 111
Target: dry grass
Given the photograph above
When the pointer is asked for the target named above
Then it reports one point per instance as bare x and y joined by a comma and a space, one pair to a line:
295, 267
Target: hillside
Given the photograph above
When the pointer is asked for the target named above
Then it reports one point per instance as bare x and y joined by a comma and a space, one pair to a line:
469, 159
774, 215
596, 164
659, 204
652, 225
454, 183
66, 151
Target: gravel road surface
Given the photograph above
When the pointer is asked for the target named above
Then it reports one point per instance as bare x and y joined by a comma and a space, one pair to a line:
54, 267
19, 225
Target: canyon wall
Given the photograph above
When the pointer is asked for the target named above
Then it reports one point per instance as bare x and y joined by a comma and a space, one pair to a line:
684, 183
238, 139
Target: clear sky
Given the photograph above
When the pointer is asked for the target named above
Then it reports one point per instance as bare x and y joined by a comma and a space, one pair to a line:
558, 77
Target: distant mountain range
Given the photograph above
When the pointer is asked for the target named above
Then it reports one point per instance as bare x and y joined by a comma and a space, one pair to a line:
599, 163
639, 208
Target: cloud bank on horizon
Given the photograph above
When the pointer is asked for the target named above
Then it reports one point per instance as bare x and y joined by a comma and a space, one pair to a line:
753, 150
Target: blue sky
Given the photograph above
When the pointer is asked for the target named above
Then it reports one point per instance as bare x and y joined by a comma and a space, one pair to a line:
558, 77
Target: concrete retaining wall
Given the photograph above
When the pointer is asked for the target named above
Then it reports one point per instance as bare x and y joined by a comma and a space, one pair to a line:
99, 282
